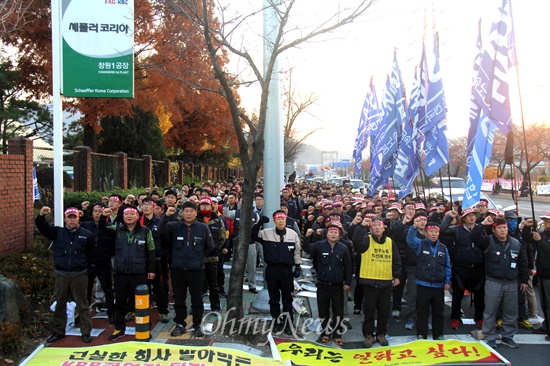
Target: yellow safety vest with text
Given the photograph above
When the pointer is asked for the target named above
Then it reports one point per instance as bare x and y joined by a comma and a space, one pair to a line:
376, 262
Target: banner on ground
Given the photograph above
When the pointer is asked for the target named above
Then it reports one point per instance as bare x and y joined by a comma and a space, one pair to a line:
98, 48
543, 189
414, 353
142, 354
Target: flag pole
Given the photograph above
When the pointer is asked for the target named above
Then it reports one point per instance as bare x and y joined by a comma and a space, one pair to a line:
525, 146
522, 120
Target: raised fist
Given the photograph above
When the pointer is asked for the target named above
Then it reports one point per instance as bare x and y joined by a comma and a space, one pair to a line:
45, 211
452, 213
170, 211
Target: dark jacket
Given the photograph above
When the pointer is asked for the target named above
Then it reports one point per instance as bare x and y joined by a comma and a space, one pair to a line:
333, 262
464, 253
399, 235
104, 244
71, 248
433, 265
542, 248
153, 225
190, 243
216, 226
504, 261
134, 250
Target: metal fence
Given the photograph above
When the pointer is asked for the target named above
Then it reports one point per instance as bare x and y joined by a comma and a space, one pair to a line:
104, 168
158, 173
135, 172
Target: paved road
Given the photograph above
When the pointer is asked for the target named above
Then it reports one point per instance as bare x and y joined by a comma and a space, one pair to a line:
542, 205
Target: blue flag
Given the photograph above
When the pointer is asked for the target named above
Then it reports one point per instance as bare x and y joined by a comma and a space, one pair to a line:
407, 155
364, 129
395, 114
36, 191
491, 89
420, 111
478, 160
480, 139
436, 146
378, 132
475, 109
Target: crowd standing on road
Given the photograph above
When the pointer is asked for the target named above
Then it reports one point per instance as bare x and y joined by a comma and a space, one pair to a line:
177, 240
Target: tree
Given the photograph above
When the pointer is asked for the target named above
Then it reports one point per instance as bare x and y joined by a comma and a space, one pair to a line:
220, 36
13, 14
528, 157
158, 61
19, 116
73, 135
457, 152
295, 104
141, 131
497, 156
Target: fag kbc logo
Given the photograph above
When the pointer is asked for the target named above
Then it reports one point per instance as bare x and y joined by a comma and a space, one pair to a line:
116, 2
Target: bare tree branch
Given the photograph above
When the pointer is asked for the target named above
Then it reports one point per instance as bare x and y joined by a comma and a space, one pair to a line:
12, 14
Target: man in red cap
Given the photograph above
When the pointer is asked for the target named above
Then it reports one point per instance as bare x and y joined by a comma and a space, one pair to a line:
433, 278
483, 207
282, 251
379, 272
216, 226
467, 262
72, 247
505, 263
134, 261
334, 271
541, 243
191, 242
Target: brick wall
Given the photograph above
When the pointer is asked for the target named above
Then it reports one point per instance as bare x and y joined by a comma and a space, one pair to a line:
16, 197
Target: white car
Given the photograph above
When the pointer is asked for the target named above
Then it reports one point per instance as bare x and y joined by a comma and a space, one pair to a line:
356, 184
447, 186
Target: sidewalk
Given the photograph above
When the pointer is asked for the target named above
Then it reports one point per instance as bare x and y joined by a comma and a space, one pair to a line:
353, 338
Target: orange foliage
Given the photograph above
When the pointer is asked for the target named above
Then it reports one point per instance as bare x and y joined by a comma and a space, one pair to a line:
173, 77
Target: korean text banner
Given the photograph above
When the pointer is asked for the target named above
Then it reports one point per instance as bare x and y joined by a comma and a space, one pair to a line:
146, 354
97, 50
415, 353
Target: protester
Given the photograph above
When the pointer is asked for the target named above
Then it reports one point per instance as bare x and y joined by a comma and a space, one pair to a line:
433, 277
134, 261
380, 271
505, 262
334, 271
282, 251
191, 242
72, 248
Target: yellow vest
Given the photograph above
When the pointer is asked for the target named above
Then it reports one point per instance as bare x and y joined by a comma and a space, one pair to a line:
376, 262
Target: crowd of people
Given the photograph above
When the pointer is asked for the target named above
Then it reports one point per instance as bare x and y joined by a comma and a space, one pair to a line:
382, 248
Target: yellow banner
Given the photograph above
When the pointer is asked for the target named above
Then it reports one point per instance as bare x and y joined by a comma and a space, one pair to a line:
420, 352
146, 354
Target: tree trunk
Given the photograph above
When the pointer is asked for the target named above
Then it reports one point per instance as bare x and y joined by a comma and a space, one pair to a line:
89, 137
235, 308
